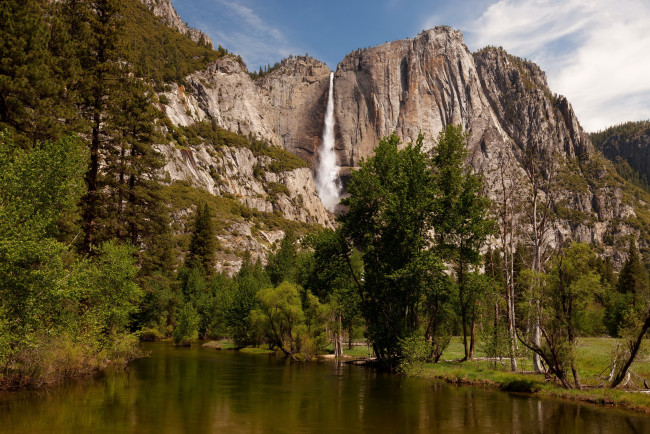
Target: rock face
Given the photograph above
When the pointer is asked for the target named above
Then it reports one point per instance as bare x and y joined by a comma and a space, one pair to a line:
525, 107
632, 146
286, 107
166, 12
409, 86
231, 172
297, 91
414, 86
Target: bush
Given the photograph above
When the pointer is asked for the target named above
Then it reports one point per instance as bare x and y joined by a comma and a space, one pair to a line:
187, 326
151, 335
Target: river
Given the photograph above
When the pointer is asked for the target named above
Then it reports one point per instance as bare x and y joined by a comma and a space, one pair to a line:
199, 390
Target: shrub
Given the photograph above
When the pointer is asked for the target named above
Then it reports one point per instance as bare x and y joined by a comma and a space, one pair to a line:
187, 327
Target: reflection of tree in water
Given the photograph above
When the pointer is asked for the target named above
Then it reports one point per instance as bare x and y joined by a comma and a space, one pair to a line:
200, 390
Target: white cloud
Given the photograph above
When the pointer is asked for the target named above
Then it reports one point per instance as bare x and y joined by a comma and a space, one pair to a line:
258, 42
594, 51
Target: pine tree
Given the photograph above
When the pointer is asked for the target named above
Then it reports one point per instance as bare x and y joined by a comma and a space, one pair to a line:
136, 210
123, 199
281, 265
29, 90
633, 278
203, 242
94, 26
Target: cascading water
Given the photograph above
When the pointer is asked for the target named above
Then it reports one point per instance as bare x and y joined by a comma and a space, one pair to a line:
327, 175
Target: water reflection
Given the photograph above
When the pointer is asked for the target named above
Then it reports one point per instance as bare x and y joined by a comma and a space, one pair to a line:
198, 390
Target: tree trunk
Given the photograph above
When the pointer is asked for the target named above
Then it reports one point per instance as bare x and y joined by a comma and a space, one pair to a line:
537, 339
463, 307
496, 330
634, 349
350, 338
576, 379
90, 209
338, 338
472, 339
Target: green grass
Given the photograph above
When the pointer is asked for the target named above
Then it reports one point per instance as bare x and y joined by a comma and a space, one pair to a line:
592, 357
181, 196
356, 351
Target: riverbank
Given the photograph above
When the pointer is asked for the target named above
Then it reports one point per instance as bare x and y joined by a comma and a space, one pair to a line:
592, 357
476, 373
60, 360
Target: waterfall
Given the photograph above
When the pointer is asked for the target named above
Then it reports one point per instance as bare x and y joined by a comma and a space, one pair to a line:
327, 175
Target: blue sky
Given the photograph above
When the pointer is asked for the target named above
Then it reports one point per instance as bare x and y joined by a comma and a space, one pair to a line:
596, 52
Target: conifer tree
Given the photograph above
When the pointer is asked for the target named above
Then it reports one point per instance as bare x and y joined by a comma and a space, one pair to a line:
123, 199
281, 264
633, 277
632, 286
203, 242
94, 26
29, 89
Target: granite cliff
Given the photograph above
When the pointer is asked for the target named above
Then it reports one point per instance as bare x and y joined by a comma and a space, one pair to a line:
628, 143
166, 12
417, 86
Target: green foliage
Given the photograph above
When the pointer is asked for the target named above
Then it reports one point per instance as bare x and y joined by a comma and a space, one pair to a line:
158, 303
461, 219
626, 172
237, 316
50, 297
187, 327
158, 52
461, 210
281, 264
574, 216
626, 129
202, 243
275, 189
263, 72
37, 186
207, 132
331, 273
630, 291
633, 277
564, 294
181, 195
294, 327
31, 88
389, 219
109, 287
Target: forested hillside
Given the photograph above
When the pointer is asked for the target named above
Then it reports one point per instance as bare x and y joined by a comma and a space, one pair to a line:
627, 146
95, 242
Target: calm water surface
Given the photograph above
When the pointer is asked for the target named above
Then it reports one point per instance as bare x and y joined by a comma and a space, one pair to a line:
199, 390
